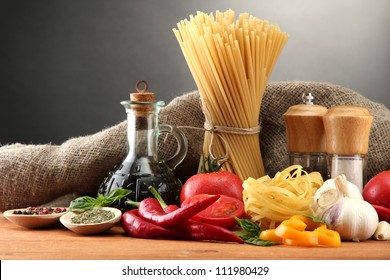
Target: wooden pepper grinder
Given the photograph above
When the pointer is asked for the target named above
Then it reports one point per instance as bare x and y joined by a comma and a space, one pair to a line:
347, 134
306, 141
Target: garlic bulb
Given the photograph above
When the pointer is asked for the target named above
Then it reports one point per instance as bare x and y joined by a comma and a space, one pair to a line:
353, 219
343, 209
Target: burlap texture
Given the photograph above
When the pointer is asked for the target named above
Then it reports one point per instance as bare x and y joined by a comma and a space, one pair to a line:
38, 174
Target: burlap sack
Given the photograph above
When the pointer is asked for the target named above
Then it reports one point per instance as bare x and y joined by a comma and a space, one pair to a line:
38, 174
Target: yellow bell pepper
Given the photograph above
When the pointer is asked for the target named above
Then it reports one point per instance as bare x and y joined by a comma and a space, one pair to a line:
294, 232
328, 237
270, 235
310, 223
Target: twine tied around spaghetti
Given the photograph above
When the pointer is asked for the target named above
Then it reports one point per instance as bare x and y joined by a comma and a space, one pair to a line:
218, 130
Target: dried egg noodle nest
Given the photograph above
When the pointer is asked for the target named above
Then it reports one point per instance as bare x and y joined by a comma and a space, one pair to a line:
269, 201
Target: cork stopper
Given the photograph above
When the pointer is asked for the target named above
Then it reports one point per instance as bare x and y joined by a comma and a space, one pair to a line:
142, 95
347, 130
305, 128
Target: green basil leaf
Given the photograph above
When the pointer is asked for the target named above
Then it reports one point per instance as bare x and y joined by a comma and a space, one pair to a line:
82, 204
101, 200
244, 236
117, 194
260, 242
112, 196
251, 232
315, 219
249, 226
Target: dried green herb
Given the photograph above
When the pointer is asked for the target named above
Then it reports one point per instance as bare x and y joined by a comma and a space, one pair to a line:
93, 216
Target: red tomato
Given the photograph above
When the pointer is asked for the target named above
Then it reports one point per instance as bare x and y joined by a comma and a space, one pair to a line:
220, 213
377, 190
220, 182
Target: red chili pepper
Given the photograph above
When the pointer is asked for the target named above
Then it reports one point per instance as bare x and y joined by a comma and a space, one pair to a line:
199, 230
203, 231
151, 210
135, 226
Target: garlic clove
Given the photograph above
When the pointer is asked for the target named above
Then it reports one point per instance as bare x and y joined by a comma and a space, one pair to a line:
328, 198
382, 232
327, 194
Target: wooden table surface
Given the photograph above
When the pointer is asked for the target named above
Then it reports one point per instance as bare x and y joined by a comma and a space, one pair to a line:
59, 243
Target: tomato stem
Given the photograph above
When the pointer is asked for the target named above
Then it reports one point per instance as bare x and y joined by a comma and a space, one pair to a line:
211, 165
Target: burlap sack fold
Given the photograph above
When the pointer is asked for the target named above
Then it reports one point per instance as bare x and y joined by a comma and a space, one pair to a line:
38, 174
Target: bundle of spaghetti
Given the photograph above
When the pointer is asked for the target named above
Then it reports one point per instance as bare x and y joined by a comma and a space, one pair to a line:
269, 201
231, 62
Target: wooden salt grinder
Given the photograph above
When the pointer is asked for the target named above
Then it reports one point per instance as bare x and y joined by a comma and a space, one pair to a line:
347, 131
306, 141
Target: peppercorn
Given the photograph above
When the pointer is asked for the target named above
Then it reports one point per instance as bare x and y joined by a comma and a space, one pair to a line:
40, 211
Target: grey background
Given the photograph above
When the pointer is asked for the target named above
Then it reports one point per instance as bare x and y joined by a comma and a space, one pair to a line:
66, 65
